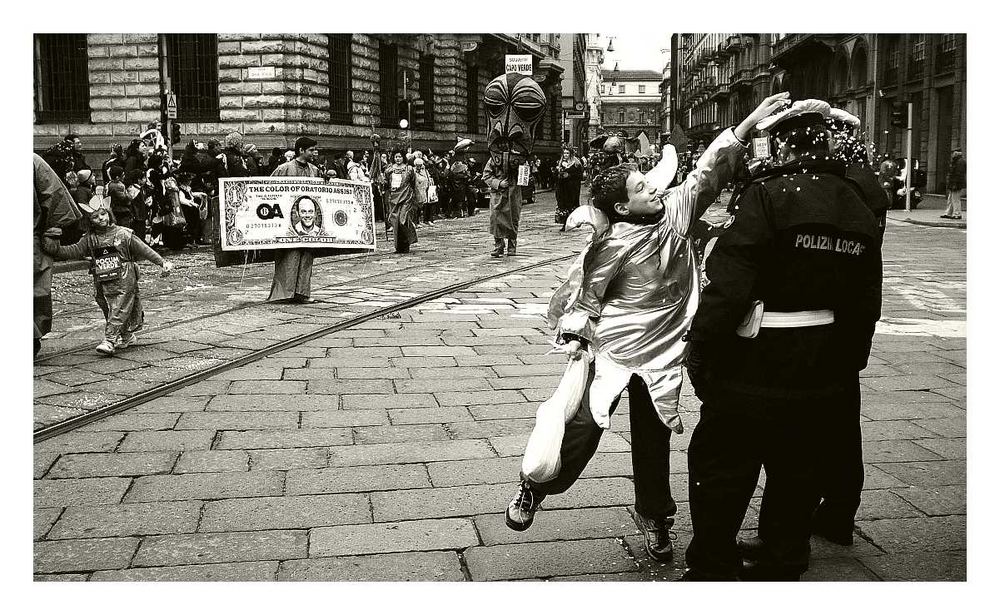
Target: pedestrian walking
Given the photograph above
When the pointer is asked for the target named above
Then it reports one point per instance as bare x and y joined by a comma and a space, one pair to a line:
955, 186
784, 326
113, 251
424, 189
293, 267
53, 207
569, 175
887, 177
629, 300
400, 195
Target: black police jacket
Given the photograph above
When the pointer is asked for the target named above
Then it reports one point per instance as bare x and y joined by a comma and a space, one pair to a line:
803, 239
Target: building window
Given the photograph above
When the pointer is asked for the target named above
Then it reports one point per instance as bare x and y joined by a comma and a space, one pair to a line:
602, 88
427, 90
193, 62
472, 99
621, 116
621, 89
388, 79
339, 47
62, 85
642, 116
642, 89
918, 51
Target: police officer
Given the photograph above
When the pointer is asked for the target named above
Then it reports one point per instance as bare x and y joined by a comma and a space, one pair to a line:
845, 145
783, 329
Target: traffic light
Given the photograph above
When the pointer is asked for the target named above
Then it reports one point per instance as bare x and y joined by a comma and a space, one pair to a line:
403, 110
175, 133
898, 115
419, 113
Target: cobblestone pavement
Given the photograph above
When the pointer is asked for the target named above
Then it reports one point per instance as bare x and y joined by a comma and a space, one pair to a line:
387, 451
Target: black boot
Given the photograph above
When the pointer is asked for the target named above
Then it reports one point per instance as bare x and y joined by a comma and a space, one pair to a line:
497, 247
511, 247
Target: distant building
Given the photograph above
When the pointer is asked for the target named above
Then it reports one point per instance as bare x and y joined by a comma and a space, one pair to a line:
273, 88
630, 102
594, 61
574, 107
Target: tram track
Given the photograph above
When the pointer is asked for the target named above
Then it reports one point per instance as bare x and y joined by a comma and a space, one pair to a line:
68, 425
42, 358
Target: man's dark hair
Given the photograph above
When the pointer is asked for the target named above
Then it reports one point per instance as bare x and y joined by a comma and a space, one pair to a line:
304, 143
116, 172
805, 140
608, 189
71, 137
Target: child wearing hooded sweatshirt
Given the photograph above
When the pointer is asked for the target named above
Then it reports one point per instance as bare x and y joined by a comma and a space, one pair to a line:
113, 251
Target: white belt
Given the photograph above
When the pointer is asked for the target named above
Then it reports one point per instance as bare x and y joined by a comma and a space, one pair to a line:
788, 320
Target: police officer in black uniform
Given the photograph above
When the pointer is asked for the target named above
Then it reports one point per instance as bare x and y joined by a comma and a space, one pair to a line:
783, 329
842, 472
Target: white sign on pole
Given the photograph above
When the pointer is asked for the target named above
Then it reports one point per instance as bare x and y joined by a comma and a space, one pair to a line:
523, 174
761, 148
171, 106
520, 63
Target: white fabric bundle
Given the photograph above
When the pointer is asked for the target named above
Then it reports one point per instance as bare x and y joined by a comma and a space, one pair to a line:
541, 455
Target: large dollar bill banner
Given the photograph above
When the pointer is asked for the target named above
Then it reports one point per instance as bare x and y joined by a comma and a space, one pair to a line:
266, 213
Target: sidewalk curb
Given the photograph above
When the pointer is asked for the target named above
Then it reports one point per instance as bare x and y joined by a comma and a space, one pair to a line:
959, 225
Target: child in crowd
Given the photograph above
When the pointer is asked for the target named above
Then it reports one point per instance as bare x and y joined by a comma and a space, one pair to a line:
114, 251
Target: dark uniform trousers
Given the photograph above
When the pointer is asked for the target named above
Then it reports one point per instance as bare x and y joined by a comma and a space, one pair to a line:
650, 452
735, 437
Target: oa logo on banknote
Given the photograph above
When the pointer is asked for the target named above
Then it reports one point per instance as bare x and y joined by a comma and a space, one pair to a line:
266, 212
340, 217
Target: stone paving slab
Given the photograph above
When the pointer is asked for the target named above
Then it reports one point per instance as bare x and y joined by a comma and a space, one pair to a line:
223, 547
546, 559
404, 536
431, 566
241, 572
84, 554
127, 520
287, 512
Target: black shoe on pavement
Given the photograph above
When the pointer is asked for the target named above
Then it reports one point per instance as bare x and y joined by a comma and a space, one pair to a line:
657, 535
750, 548
511, 247
837, 534
521, 510
498, 248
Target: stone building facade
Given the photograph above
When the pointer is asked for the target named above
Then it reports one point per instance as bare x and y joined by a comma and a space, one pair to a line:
630, 102
273, 88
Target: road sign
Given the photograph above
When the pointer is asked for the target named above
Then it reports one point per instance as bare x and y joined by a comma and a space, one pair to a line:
171, 106
519, 63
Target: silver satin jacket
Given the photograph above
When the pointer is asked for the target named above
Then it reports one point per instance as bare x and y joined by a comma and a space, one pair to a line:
634, 291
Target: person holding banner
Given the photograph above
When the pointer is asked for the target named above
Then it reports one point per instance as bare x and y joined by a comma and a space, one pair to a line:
293, 267
400, 184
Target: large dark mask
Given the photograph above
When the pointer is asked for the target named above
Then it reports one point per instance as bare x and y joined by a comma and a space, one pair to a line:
515, 105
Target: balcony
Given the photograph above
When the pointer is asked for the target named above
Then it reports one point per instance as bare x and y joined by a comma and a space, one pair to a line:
740, 77
734, 43
720, 93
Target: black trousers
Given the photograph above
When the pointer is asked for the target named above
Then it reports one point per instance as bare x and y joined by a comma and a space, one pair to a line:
736, 437
650, 452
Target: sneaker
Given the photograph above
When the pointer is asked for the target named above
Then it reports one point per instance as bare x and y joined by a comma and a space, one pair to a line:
126, 341
521, 510
106, 348
658, 538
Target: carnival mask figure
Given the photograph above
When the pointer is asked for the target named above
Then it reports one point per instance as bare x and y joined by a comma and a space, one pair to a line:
515, 105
